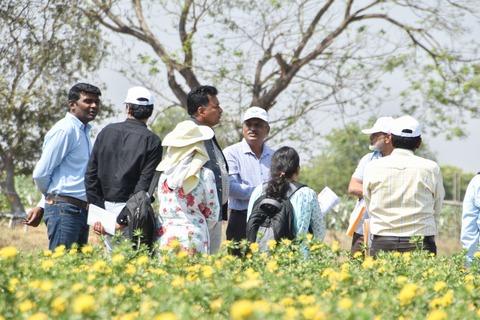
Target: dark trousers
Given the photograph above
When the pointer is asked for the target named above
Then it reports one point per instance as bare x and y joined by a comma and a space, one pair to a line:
237, 225
357, 243
66, 224
401, 244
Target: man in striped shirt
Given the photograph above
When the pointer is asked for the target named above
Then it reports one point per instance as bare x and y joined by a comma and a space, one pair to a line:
404, 194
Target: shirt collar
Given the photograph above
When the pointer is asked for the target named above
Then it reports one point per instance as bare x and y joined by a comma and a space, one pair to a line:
136, 122
402, 152
246, 148
77, 121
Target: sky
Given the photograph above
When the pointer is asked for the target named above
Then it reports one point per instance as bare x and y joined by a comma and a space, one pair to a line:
460, 152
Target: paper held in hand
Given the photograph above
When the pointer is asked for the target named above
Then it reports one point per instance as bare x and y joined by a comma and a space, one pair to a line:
327, 199
356, 217
107, 218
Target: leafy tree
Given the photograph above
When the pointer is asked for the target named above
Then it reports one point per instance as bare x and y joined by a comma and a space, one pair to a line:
294, 58
45, 46
455, 182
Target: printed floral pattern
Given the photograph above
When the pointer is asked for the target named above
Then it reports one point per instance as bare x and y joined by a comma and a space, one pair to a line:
185, 217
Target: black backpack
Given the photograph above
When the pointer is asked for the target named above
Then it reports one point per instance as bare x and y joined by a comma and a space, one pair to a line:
272, 219
139, 216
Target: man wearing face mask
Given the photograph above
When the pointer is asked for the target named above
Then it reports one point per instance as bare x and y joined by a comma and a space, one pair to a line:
380, 145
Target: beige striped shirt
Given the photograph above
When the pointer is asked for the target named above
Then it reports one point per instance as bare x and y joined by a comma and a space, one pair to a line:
404, 194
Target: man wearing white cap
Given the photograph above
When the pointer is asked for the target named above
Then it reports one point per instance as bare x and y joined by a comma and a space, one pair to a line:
404, 193
380, 145
249, 166
124, 156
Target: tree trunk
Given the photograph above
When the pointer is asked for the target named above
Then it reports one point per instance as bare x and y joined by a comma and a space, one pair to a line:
7, 186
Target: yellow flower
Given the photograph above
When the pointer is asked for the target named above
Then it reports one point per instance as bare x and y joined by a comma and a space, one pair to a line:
182, 254
174, 244
77, 287
287, 301
47, 265
12, 284
58, 305
8, 253
136, 289
84, 304
130, 269
439, 286
99, 266
26, 306
313, 312
207, 271
241, 309
47, 253
358, 254
306, 299
119, 289
271, 244
59, 251
254, 247
261, 306
408, 292
477, 255
216, 304
290, 313
345, 303
437, 315
38, 316
272, 266
249, 284
285, 242
166, 316
46, 285
335, 246
401, 280
178, 282
88, 249
469, 278
118, 258
368, 263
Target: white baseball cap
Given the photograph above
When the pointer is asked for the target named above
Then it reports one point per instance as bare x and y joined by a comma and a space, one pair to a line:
140, 96
383, 124
406, 126
256, 112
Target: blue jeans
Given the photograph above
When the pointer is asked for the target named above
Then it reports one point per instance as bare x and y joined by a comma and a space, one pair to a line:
66, 224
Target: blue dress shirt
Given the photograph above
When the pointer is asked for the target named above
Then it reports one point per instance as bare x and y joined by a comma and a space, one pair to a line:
65, 153
471, 218
246, 171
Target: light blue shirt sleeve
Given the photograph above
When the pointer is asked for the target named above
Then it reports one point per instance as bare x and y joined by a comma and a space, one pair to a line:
54, 150
257, 192
470, 232
307, 213
239, 189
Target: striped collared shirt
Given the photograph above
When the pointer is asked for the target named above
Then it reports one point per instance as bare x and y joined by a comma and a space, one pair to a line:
404, 194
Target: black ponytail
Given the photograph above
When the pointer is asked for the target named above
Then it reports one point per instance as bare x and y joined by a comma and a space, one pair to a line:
285, 163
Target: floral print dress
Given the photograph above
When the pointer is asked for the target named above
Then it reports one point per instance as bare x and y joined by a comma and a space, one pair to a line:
185, 217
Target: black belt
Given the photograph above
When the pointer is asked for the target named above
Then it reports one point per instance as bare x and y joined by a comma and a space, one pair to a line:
393, 238
55, 198
238, 211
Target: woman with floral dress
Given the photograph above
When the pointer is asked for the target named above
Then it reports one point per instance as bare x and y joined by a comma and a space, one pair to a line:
187, 190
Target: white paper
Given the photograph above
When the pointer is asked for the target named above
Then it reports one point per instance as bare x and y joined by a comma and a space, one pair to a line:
107, 218
327, 199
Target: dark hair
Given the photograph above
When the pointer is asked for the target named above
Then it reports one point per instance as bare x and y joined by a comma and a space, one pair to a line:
285, 163
199, 97
410, 143
74, 93
140, 112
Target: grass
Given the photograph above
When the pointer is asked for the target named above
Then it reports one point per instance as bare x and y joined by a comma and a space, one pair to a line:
30, 239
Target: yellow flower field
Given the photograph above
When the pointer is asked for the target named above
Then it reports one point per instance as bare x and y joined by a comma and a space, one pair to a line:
293, 281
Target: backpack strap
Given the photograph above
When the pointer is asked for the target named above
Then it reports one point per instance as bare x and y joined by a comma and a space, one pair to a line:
294, 187
154, 183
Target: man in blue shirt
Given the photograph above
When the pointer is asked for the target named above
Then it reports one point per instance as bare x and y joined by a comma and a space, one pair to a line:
249, 166
59, 174
470, 234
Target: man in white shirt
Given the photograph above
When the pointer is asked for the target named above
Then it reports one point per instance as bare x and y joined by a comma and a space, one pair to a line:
404, 194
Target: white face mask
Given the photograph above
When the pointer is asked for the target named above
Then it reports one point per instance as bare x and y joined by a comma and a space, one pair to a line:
377, 146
